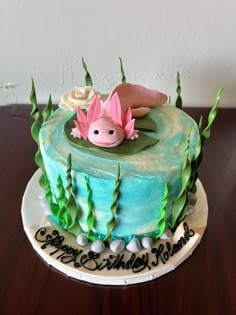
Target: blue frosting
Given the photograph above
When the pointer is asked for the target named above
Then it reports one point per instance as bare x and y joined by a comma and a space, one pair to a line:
143, 174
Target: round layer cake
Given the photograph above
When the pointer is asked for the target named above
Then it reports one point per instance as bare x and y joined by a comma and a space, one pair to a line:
124, 193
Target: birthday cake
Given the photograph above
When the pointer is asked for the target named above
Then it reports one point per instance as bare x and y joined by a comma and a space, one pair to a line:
118, 171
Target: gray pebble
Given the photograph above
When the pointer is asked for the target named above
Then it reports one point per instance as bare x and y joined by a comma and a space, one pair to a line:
191, 210
147, 242
117, 246
41, 193
82, 240
192, 199
134, 245
98, 246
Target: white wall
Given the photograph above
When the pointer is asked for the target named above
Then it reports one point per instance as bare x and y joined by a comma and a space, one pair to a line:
46, 39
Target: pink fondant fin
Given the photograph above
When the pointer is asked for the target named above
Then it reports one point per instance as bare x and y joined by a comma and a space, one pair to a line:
82, 123
82, 118
82, 130
76, 133
129, 130
126, 116
94, 110
115, 109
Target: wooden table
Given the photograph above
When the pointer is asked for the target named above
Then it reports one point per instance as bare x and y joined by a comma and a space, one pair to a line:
204, 284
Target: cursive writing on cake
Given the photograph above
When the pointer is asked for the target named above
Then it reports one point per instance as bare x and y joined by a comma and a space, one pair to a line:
85, 258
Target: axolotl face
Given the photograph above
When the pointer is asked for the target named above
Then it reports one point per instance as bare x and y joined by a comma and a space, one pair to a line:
104, 132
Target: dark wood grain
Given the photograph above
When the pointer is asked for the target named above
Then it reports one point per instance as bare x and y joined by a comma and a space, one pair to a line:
204, 284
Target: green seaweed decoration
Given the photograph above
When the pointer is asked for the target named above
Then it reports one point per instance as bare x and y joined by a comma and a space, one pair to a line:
112, 223
49, 197
91, 217
211, 117
71, 206
204, 135
88, 79
65, 211
35, 129
178, 101
61, 198
48, 110
60, 210
179, 208
123, 78
161, 223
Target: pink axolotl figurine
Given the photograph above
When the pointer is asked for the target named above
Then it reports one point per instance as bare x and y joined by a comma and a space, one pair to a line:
108, 123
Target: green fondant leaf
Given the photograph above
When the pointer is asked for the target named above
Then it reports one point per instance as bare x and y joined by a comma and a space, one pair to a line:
112, 223
186, 172
198, 147
179, 207
48, 110
204, 135
122, 71
55, 209
212, 115
68, 176
71, 215
72, 209
62, 216
90, 218
88, 79
35, 129
126, 147
178, 102
200, 123
61, 199
161, 224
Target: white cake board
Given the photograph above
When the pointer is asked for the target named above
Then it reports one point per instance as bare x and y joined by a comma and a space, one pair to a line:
33, 216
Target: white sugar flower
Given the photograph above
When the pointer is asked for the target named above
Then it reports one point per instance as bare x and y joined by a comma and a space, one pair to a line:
78, 97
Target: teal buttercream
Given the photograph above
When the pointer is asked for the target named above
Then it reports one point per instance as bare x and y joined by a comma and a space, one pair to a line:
143, 175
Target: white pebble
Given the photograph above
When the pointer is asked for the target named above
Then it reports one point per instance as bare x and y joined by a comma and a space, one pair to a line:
117, 246
147, 242
82, 240
98, 246
191, 210
41, 193
192, 200
134, 245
